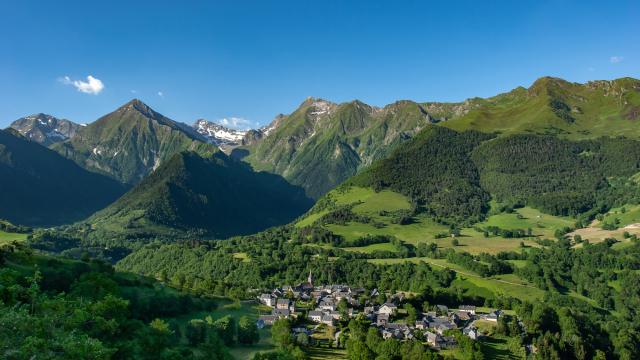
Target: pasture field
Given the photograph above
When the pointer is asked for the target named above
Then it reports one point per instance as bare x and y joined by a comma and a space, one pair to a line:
371, 248
6, 237
542, 225
425, 230
380, 207
505, 284
630, 215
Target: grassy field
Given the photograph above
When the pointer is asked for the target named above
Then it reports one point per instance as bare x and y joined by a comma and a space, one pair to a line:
6, 237
372, 248
311, 218
423, 229
502, 347
517, 263
630, 215
542, 225
499, 285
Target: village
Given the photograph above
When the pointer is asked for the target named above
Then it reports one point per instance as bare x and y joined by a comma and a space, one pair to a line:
327, 305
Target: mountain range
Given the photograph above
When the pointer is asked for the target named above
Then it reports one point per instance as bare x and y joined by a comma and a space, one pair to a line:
321, 144
316, 147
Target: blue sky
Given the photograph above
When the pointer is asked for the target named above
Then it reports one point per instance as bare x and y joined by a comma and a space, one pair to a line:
254, 59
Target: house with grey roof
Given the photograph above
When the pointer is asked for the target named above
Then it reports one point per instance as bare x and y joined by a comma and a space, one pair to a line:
282, 304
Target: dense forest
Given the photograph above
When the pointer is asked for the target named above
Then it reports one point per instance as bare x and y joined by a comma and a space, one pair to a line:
434, 169
558, 176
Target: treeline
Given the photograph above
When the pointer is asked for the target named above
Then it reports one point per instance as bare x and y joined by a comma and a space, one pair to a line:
274, 260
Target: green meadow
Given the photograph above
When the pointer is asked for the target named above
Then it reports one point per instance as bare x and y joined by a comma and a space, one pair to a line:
630, 215
473, 284
541, 225
6, 237
379, 206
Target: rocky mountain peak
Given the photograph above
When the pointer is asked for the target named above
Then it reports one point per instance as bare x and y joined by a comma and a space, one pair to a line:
45, 129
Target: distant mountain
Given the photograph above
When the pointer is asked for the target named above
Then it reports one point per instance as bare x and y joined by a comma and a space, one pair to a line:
322, 143
45, 129
557, 107
211, 195
39, 187
221, 136
130, 142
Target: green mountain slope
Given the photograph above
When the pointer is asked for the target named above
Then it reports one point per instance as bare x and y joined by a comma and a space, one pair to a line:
40, 187
435, 169
130, 142
558, 107
450, 177
321, 143
214, 196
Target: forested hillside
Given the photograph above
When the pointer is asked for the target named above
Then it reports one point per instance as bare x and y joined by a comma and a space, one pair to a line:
436, 171
557, 176
213, 196
41, 188
54, 308
321, 144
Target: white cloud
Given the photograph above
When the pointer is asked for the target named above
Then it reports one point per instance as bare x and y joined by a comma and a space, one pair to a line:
161, 94
238, 123
616, 59
91, 86
134, 91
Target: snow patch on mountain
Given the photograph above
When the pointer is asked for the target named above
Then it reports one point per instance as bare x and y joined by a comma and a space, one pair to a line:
219, 135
